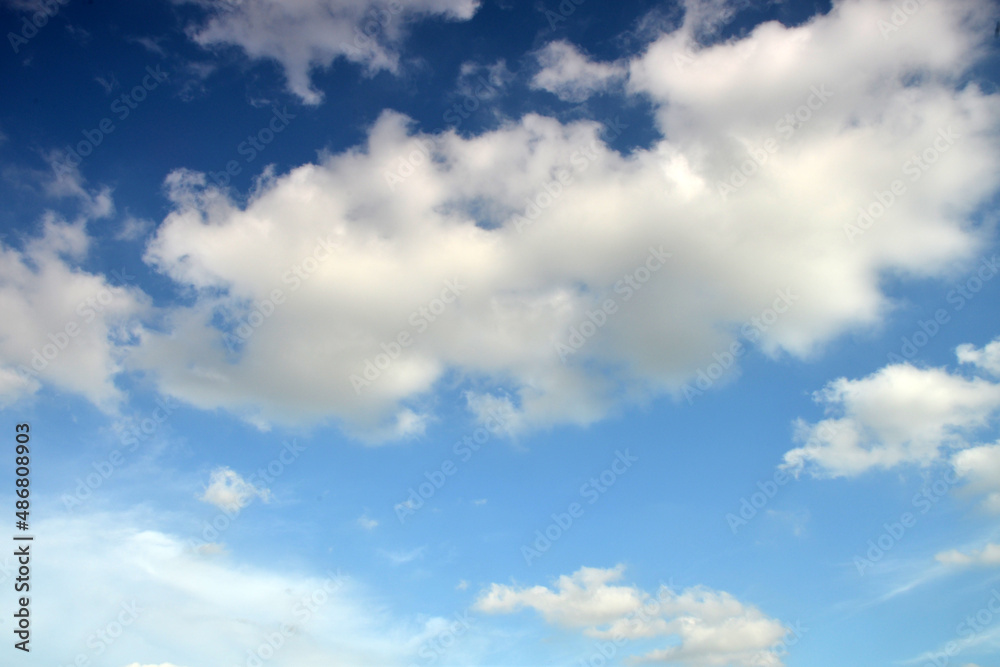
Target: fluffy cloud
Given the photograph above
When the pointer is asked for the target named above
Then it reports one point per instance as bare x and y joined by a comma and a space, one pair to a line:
490, 259
706, 627
902, 415
66, 181
304, 34
570, 75
62, 326
899, 414
986, 358
230, 492
980, 467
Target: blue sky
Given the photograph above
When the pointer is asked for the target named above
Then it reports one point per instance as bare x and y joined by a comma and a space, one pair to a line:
483, 332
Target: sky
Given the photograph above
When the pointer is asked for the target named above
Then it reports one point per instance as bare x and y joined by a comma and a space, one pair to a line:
488, 332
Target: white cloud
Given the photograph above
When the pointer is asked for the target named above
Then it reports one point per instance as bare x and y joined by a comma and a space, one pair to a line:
485, 82
305, 34
704, 18
705, 627
988, 556
210, 549
987, 358
194, 609
980, 467
63, 326
66, 181
367, 522
230, 492
461, 216
898, 415
570, 75
133, 229
402, 557
151, 44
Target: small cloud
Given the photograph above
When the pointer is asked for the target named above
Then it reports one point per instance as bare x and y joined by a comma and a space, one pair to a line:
210, 549
986, 358
133, 229
230, 492
81, 35
988, 556
409, 424
367, 523
484, 82
150, 44
66, 181
571, 75
402, 557
462, 585
497, 413
481, 501
404, 425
